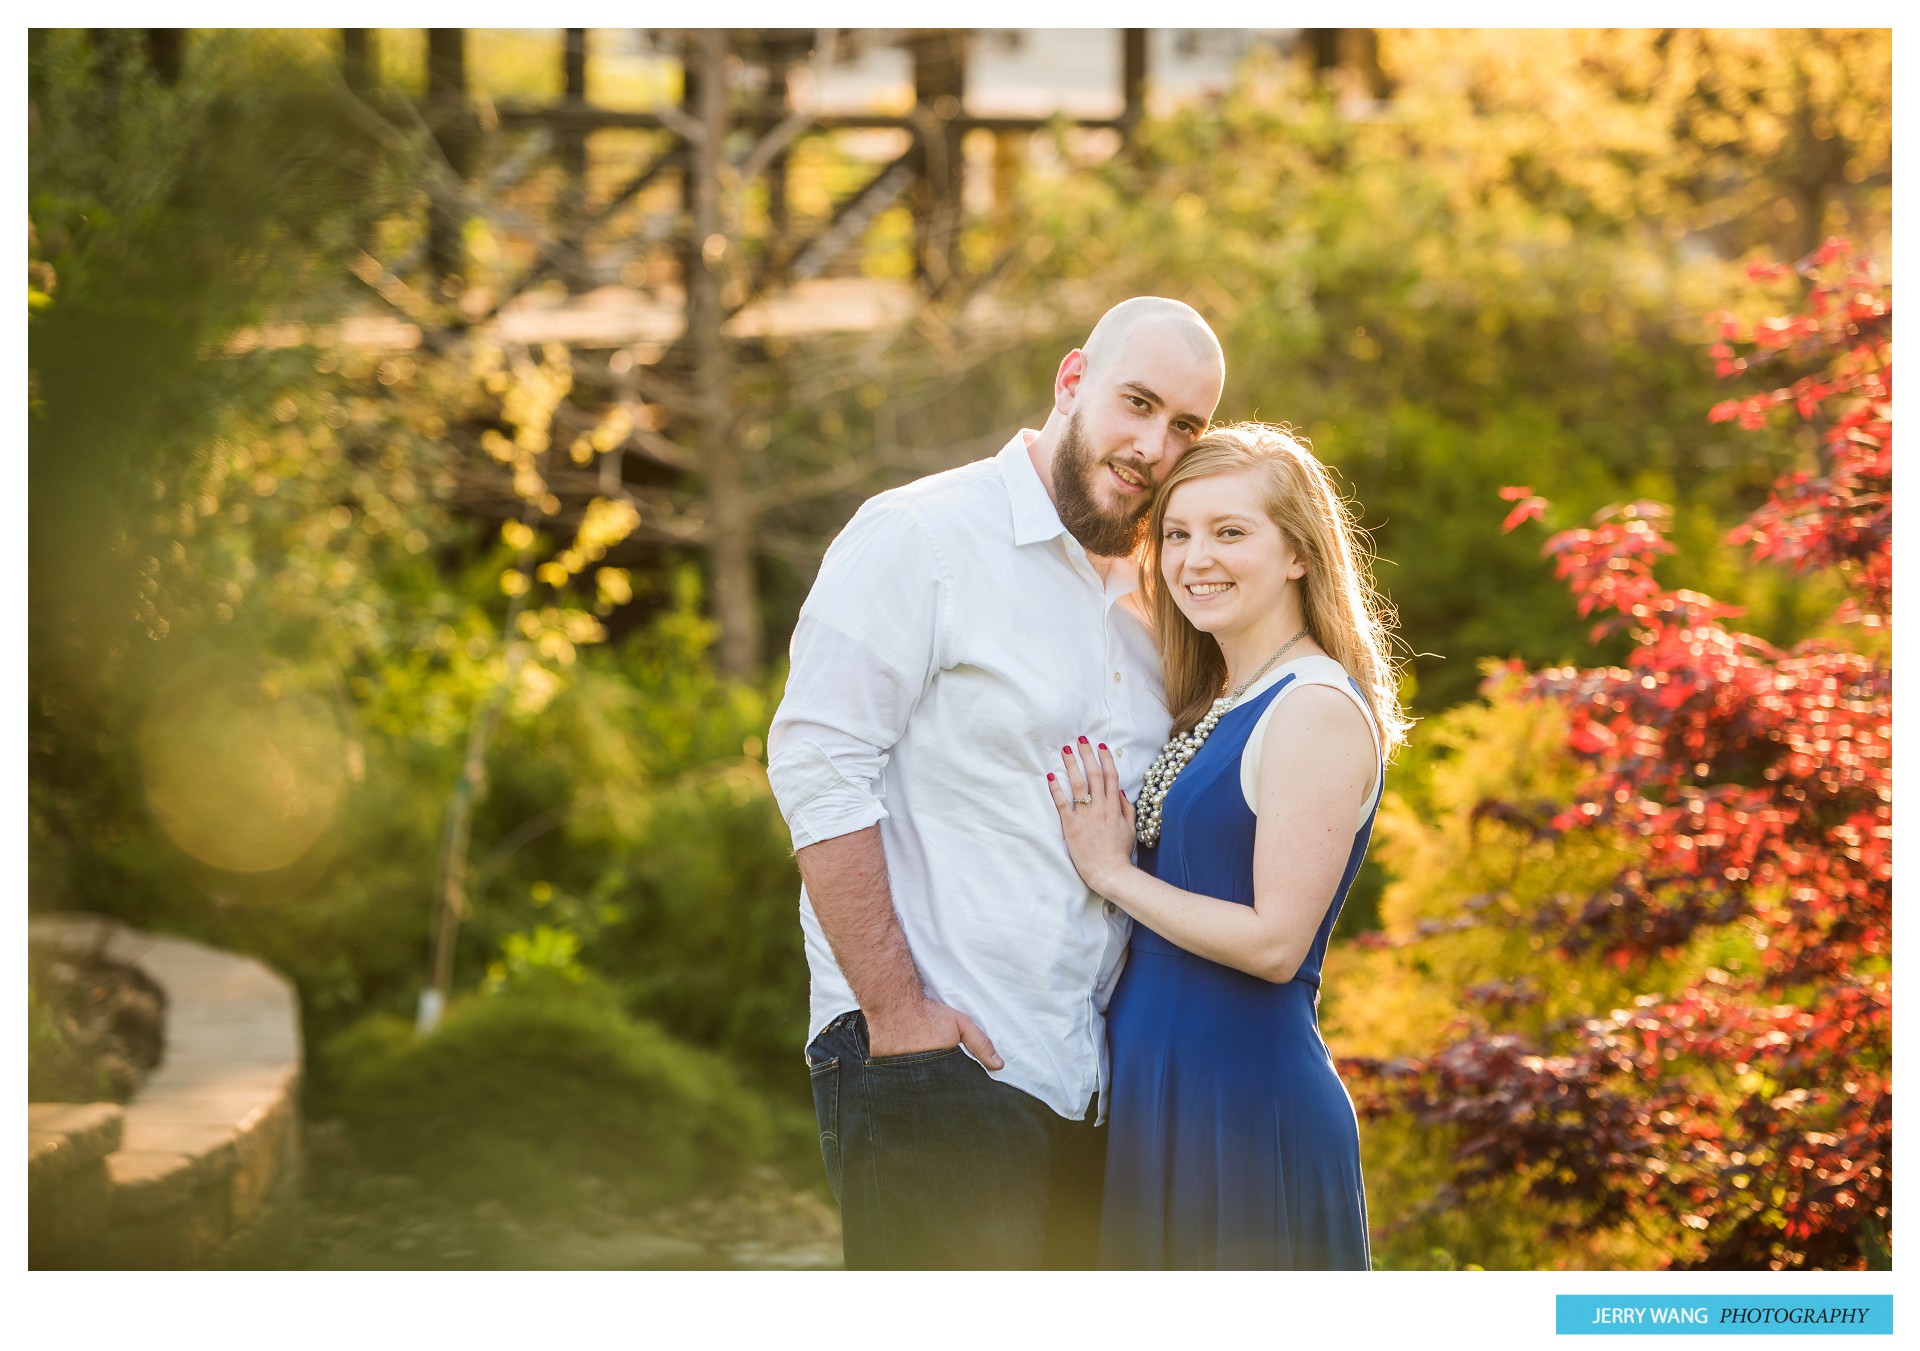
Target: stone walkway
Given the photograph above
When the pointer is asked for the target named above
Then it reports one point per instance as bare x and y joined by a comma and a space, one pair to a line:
204, 1159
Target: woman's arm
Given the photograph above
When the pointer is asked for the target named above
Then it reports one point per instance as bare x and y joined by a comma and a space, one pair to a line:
1317, 764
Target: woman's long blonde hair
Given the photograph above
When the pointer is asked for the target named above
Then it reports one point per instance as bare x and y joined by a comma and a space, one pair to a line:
1343, 612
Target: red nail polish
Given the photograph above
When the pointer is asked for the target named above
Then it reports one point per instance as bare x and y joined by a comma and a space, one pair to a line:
1083, 741
1049, 778
1066, 750
1103, 745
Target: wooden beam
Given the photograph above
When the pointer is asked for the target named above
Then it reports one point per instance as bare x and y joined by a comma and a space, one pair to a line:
575, 65
359, 59
557, 116
634, 186
167, 53
1133, 74
736, 600
939, 87
1324, 45
103, 54
548, 261
570, 149
449, 116
686, 158
778, 104
447, 63
852, 215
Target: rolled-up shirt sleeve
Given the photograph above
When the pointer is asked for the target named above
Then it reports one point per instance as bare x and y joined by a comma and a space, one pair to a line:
865, 648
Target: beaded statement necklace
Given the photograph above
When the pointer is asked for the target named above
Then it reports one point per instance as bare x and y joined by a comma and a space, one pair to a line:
1176, 753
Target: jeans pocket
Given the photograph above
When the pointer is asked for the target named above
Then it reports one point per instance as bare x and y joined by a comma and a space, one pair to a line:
881, 1062
825, 1074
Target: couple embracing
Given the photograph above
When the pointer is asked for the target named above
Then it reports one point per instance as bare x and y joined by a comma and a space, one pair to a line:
1065, 969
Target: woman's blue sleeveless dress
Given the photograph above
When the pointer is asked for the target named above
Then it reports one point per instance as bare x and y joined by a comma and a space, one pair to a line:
1231, 1141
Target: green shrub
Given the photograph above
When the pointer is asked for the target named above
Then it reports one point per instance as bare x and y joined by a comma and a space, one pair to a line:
520, 1096
711, 942
631, 824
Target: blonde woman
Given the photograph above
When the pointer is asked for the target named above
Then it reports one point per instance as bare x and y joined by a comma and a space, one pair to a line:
1232, 1141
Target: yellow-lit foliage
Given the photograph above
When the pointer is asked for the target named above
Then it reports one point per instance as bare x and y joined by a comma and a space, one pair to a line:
1496, 276
1763, 135
1468, 881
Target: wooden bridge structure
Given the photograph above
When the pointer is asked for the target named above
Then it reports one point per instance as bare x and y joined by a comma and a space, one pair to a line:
677, 240
735, 89
715, 280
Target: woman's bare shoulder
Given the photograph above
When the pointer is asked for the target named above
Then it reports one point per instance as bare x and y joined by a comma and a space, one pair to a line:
1317, 732
1319, 709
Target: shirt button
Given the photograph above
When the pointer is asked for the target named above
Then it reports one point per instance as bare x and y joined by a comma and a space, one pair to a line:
1112, 909
1116, 677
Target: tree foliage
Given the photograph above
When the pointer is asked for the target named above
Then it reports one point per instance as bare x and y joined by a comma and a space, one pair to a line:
1495, 277
1743, 1113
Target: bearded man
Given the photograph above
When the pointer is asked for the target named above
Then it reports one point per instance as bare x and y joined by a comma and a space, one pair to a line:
961, 629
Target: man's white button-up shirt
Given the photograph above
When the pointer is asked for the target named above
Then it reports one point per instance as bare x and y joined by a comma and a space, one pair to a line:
956, 638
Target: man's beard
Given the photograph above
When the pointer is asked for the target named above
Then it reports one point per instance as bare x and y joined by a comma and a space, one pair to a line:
1109, 533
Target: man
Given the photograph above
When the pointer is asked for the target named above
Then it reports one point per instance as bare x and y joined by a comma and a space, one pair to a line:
963, 629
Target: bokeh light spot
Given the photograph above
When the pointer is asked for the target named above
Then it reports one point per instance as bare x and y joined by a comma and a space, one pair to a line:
238, 776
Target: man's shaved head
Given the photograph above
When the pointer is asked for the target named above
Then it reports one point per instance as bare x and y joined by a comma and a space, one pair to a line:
1126, 407
1110, 337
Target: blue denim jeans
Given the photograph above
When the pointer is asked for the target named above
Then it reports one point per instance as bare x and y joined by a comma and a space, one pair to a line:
936, 1164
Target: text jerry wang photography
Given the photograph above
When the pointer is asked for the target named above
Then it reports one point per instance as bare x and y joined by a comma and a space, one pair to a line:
965, 648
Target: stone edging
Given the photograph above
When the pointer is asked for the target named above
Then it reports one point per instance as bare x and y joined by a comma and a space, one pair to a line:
202, 1167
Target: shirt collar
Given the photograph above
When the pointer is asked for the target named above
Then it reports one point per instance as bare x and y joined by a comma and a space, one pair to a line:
1035, 518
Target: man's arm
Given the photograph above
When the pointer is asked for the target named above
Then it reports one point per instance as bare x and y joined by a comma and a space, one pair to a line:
846, 879
864, 649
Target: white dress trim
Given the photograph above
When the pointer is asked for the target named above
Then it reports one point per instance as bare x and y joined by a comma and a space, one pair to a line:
1315, 669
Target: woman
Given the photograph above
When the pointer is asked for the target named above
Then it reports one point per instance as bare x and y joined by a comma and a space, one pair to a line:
1232, 1142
